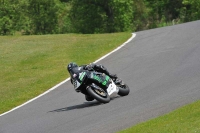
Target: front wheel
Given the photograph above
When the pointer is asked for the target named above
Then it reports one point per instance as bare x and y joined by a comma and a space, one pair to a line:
98, 94
123, 90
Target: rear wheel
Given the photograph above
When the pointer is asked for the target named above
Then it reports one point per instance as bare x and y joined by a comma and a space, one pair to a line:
98, 94
123, 90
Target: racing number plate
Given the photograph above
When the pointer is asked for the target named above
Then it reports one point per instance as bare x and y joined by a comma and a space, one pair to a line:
111, 88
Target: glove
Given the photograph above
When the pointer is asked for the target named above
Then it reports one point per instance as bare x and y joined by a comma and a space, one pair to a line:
89, 67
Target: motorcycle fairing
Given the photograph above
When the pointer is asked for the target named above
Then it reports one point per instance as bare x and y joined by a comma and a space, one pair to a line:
102, 79
78, 79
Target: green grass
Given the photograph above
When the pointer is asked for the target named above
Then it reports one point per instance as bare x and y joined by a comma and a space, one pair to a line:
183, 120
31, 65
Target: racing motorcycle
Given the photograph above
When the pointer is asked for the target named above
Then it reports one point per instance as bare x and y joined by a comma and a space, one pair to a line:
99, 86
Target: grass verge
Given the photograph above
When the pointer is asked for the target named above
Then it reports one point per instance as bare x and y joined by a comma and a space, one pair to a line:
31, 65
183, 120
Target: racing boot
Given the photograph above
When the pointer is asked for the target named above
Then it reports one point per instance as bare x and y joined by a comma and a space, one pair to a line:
113, 76
89, 98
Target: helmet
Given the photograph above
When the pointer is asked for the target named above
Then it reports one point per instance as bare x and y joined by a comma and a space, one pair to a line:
71, 65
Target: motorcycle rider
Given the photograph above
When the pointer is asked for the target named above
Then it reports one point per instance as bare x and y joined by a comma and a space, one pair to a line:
72, 69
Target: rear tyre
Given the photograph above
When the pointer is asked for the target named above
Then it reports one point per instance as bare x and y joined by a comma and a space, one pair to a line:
123, 90
98, 94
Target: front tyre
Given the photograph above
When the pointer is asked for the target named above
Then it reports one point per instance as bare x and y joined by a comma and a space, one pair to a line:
98, 94
123, 90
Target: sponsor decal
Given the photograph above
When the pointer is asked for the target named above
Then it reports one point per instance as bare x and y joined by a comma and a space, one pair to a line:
82, 75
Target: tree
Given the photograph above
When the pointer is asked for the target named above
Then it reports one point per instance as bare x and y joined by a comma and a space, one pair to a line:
43, 16
154, 13
97, 16
9, 16
141, 14
191, 10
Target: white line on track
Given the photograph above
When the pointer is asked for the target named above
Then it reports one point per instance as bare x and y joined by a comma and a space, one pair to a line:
133, 36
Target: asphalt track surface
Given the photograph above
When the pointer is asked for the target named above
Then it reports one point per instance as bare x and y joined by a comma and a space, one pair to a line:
161, 67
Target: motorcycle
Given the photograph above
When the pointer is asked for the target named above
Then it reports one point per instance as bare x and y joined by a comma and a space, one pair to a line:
99, 86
